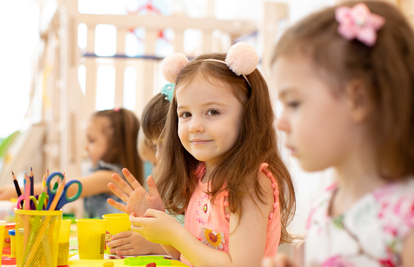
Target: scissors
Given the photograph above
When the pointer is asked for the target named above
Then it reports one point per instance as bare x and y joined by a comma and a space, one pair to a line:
34, 201
64, 199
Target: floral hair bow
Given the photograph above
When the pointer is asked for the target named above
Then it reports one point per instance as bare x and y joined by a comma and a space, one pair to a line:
168, 91
358, 23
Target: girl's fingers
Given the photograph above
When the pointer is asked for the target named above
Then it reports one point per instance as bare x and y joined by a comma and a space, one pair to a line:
120, 235
131, 179
122, 184
152, 187
136, 229
117, 205
128, 252
151, 213
118, 243
118, 192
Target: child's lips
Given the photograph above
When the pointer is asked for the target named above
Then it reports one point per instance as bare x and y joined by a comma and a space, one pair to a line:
199, 141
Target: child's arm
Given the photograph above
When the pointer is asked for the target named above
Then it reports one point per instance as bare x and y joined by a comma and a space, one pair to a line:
247, 238
408, 255
92, 184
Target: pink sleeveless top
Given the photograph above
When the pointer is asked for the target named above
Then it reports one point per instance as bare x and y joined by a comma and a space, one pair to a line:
209, 223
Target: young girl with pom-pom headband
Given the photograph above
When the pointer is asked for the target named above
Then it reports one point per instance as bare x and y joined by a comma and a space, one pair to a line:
220, 166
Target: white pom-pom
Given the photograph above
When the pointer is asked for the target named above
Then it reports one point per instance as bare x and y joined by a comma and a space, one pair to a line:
242, 59
172, 66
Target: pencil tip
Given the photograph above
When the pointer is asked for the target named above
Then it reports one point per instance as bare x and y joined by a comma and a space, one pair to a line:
12, 173
31, 168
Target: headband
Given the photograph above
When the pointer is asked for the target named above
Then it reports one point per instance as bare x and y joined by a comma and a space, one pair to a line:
358, 23
241, 59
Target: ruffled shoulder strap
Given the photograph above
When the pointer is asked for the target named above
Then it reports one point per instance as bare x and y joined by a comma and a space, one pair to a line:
263, 168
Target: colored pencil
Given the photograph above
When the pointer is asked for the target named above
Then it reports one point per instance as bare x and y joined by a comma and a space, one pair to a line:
44, 190
31, 182
26, 193
16, 185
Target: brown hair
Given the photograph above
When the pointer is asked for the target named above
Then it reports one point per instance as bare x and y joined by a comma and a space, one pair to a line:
239, 167
122, 136
387, 70
154, 116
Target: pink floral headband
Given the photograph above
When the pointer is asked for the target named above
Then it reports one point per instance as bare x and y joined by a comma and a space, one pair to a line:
242, 59
359, 23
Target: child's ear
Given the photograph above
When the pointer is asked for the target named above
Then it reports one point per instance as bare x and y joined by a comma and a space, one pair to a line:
360, 103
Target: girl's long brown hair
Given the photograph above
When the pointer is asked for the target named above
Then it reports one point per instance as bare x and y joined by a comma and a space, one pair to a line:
238, 169
387, 69
122, 135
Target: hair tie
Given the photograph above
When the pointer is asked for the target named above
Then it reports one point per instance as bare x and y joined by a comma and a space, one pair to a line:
168, 91
358, 23
117, 109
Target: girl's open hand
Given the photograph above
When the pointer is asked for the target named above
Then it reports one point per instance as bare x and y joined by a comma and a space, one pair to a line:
155, 226
137, 198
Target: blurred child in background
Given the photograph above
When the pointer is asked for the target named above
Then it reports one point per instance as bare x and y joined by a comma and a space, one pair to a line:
111, 144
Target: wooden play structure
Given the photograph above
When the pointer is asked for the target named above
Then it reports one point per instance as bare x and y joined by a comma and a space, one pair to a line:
58, 103
59, 107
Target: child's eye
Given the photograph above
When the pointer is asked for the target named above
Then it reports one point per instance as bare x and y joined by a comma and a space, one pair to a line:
293, 104
213, 112
185, 115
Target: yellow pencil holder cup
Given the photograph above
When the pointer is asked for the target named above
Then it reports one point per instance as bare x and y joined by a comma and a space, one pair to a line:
37, 237
115, 224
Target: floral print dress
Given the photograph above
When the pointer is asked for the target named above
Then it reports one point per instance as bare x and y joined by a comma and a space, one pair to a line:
209, 223
370, 233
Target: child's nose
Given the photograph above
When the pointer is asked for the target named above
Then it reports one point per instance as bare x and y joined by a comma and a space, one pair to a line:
196, 125
282, 124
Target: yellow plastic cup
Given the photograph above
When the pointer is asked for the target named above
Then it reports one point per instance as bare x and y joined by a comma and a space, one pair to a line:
37, 237
12, 234
63, 250
2, 227
116, 223
91, 238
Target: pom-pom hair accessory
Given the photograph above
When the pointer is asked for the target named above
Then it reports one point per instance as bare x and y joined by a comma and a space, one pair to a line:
242, 59
358, 23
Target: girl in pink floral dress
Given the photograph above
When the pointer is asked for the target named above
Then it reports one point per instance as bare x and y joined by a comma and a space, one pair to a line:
345, 76
220, 166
